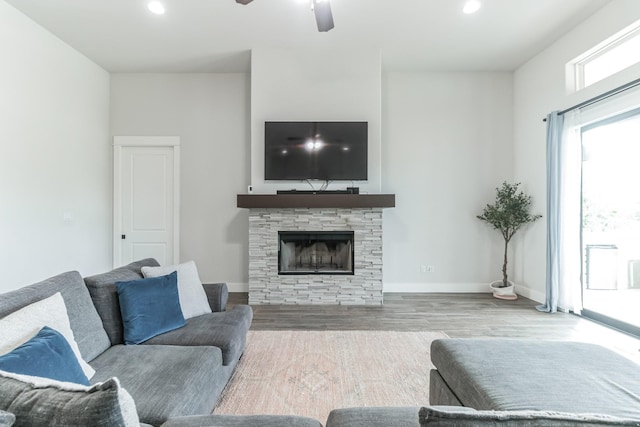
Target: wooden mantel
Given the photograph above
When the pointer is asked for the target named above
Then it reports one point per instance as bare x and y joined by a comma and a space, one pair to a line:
275, 201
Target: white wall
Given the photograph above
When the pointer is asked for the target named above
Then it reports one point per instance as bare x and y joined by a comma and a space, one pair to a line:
446, 146
54, 156
210, 113
539, 88
315, 85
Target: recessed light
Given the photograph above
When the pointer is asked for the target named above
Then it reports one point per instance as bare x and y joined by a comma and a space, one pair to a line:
156, 7
472, 6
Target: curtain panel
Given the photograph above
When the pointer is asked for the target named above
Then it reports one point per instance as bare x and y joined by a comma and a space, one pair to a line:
563, 266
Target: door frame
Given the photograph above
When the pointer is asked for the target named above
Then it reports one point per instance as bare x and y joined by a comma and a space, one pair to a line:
120, 142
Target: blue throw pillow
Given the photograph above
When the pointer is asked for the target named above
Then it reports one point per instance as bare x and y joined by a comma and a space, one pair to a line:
149, 307
47, 355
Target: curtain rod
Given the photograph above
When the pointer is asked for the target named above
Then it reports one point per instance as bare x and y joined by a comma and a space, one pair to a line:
602, 96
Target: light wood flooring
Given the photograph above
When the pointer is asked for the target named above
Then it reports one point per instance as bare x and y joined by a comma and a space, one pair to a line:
457, 315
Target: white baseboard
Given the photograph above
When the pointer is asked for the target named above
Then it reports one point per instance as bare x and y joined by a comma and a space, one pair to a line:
429, 288
531, 294
458, 288
404, 287
436, 287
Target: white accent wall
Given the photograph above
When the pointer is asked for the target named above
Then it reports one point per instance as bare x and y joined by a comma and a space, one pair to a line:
315, 85
539, 88
55, 158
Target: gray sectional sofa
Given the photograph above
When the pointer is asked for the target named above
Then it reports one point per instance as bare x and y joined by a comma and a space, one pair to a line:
175, 378
510, 374
187, 367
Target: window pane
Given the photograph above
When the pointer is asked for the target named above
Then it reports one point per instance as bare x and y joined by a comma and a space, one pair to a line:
611, 219
612, 60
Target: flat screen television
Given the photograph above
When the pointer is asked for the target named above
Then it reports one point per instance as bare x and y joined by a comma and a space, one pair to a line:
326, 151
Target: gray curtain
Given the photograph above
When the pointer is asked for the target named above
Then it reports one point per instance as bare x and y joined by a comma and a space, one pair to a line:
555, 124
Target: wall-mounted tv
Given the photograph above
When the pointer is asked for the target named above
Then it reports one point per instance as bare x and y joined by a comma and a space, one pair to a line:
326, 151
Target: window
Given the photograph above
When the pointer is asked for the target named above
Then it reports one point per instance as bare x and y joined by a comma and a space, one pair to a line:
595, 223
611, 220
609, 57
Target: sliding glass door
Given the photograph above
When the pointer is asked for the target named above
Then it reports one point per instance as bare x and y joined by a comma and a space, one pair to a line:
611, 220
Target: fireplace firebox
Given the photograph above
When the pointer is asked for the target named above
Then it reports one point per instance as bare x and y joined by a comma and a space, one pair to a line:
315, 252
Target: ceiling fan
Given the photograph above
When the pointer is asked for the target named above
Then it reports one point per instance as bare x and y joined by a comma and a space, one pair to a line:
321, 9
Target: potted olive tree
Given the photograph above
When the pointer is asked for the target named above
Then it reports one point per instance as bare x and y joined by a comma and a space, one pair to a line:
507, 215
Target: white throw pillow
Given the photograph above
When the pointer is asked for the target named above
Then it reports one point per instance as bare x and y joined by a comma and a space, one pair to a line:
20, 326
193, 299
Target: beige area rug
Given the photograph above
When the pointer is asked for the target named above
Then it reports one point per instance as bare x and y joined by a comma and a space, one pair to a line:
310, 373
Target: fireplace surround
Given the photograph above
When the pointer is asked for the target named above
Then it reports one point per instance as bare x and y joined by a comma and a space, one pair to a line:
270, 215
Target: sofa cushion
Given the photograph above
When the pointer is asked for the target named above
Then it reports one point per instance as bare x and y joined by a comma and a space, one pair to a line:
102, 288
374, 417
48, 355
165, 381
21, 325
149, 307
193, 299
509, 374
436, 417
38, 403
226, 330
83, 317
242, 421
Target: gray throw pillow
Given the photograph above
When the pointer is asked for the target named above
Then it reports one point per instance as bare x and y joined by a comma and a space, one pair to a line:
39, 402
437, 417
6, 419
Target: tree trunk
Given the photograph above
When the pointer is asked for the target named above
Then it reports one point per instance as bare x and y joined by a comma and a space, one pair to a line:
504, 265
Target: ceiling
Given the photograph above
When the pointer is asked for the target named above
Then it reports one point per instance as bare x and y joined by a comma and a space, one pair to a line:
217, 35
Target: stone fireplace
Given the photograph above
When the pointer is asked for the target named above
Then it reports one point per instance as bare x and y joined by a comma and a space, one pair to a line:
364, 286
331, 248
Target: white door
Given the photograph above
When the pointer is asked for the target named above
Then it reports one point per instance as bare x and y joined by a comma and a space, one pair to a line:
146, 199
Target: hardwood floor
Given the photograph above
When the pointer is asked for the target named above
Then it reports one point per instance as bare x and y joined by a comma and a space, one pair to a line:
458, 315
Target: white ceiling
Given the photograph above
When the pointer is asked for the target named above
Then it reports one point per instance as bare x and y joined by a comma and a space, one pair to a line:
217, 35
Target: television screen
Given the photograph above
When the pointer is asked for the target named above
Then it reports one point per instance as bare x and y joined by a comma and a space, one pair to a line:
315, 150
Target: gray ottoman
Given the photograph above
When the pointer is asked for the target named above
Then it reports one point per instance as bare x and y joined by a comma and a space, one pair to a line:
509, 374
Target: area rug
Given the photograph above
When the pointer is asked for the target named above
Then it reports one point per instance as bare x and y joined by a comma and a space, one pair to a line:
310, 373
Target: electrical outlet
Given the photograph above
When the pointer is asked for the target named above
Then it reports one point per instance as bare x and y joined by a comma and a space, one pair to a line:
423, 268
430, 269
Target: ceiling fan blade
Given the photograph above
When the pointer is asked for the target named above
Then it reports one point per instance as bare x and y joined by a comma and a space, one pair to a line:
324, 18
244, 1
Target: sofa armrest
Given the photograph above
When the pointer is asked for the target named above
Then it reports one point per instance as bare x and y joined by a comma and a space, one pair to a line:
217, 295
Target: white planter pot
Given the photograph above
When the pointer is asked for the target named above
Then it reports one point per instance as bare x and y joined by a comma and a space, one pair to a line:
503, 292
